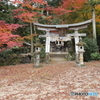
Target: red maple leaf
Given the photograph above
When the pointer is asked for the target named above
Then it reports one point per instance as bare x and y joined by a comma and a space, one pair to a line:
6, 36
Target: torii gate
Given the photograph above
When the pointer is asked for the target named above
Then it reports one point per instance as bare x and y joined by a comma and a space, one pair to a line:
75, 27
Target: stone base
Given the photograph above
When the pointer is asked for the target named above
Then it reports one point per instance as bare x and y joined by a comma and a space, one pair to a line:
37, 66
79, 65
47, 58
77, 58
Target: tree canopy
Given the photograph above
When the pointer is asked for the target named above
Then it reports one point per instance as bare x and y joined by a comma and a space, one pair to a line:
43, 11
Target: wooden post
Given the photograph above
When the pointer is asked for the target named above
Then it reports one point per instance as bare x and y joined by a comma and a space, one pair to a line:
94, 24
31, 42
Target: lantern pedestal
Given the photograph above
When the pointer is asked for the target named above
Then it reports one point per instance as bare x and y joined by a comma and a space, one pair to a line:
77, 58
80, 63
37, 60
47, 58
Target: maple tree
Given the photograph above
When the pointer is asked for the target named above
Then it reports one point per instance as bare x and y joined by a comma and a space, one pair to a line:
98, 13
16, 2
64, 10
6, 36
69, 6
29, 12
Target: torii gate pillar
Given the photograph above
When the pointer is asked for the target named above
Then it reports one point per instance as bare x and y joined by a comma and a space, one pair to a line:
47, 46
76, 36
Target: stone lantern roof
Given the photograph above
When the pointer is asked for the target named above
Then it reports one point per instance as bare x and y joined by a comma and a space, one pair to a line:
81, 43
37, 44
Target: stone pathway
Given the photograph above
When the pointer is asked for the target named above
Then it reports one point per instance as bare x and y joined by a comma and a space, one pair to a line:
50, 82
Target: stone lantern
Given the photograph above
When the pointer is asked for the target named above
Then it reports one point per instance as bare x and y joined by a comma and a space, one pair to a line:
37, 46
80, 52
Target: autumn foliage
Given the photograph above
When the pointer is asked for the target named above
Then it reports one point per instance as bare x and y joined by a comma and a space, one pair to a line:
17, 2
98, 13
6, 36
68, 6
29, 10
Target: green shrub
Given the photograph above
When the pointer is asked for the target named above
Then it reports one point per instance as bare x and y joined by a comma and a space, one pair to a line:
72, 53
8, 57
42, 54
19, 50
70, 56
90, 47
95, 56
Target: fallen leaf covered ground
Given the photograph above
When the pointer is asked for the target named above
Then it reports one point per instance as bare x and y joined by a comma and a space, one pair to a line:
54, 81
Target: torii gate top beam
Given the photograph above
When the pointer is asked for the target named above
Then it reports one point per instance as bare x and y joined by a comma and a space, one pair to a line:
68, 26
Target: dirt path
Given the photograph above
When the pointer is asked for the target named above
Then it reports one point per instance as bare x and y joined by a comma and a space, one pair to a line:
54, 81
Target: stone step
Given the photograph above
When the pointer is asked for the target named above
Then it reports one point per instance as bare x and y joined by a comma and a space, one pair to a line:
58, 55
58, 59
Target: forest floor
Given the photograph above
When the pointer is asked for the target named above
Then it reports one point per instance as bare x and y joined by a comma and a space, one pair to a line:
54, 81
